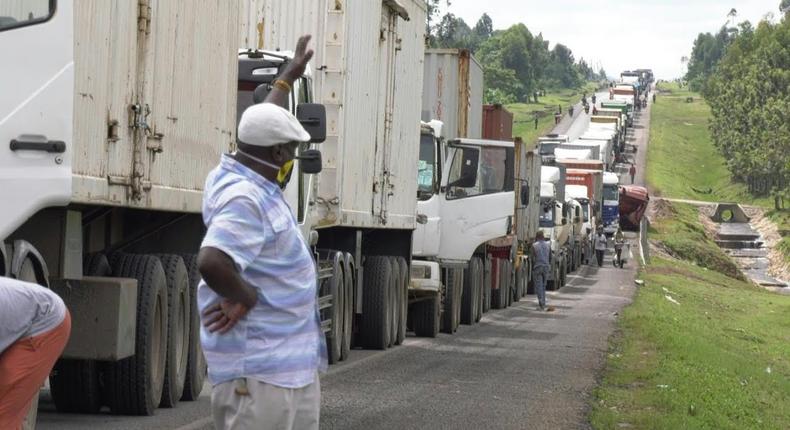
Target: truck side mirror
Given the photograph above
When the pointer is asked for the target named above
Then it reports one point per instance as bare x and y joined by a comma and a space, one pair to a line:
564, 220
312, 116
310, 161
524, 194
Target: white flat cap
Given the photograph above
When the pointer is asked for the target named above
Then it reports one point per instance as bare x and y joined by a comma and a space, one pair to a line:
266, 124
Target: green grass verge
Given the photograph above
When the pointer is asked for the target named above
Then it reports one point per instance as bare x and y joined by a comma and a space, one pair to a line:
684, 163
524, 113
684, 237
720, 359
782, 221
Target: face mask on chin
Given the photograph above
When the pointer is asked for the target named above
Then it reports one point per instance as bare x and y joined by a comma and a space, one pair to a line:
283, 172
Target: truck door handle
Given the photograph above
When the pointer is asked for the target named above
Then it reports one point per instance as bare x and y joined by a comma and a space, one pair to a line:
37, 142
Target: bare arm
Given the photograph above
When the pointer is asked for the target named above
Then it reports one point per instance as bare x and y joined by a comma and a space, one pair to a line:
293, 71
221, 275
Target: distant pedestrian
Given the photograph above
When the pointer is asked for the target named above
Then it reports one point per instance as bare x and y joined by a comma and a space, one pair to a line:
536, 121
593, 99
34, 328
560, 108
654, 97
557, 117
632, 171
262, 335
600, 245
541, 265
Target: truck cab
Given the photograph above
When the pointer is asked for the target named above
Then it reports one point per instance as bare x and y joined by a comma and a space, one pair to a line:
465, 199
547, 144
586, 231
611, 203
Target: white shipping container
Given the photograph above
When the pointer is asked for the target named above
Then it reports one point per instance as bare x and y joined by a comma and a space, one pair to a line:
159, 157
367, 70
453, 92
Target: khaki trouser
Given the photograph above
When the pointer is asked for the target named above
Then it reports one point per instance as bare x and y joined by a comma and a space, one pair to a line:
246, 403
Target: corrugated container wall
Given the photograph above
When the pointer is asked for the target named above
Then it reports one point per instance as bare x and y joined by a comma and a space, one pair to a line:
453, 92
366, 70
181, 69
497, 123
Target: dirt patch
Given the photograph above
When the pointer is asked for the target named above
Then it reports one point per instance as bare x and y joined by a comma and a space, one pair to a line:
659, 209
778, 267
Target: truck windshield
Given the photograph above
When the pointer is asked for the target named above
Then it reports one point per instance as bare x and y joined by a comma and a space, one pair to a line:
15, 13
426, 171
546, 213
586, 211
547, 148
611, 192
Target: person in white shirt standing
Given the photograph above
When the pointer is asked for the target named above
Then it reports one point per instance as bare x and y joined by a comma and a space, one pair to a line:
261, 332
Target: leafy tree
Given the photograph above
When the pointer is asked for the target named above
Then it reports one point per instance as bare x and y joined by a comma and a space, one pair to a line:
749, 95
484, 27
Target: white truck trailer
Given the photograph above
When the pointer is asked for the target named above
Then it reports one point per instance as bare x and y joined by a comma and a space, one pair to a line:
108, 147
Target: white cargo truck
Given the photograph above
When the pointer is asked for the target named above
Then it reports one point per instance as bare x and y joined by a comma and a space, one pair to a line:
361, 207
108, 146
555, 223
466, 244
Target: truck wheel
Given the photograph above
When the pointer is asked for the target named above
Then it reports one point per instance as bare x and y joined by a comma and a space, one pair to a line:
178, 324
424, 317
196, 362
487, 280
394, 310
470, 296
135, 383
511, 284
518, 284
551, 284
374, 331
563, 276
403, 308
479, 276
335, 335
348, 310
75, 383
451, 303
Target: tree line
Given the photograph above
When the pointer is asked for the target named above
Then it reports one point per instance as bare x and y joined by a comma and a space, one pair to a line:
516, 63
744, 75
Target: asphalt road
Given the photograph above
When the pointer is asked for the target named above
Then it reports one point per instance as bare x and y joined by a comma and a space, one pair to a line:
517, 369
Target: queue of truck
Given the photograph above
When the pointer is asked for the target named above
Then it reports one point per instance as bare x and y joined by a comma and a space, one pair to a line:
420, 215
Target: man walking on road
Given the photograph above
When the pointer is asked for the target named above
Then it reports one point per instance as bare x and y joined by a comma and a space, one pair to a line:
541, 262
632, 171
262, 333
600, 246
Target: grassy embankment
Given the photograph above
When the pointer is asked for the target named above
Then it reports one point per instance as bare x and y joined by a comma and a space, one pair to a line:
524, 113
684, 164
719, 359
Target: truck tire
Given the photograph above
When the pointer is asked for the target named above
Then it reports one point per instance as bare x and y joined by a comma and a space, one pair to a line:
480, 280
424, 317
511, 282
452, 307
403, 308
394, 310
487, 280
374, 332
519, 283
563, 276
178, 325
334, 338
74, 384
348, 310
471, 294
551, 285
196, 362
499, 298
134, 384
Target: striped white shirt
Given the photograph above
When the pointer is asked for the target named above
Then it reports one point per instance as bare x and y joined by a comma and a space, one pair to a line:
280, 341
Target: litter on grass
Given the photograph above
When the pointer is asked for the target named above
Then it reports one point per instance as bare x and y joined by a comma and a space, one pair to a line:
668, 297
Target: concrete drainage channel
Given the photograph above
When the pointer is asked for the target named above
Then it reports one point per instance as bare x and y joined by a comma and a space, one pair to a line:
745, 245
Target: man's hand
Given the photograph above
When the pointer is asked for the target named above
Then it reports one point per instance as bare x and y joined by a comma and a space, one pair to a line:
223, 316
296, 67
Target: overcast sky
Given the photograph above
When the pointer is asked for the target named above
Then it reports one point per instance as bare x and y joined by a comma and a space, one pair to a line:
618, 34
